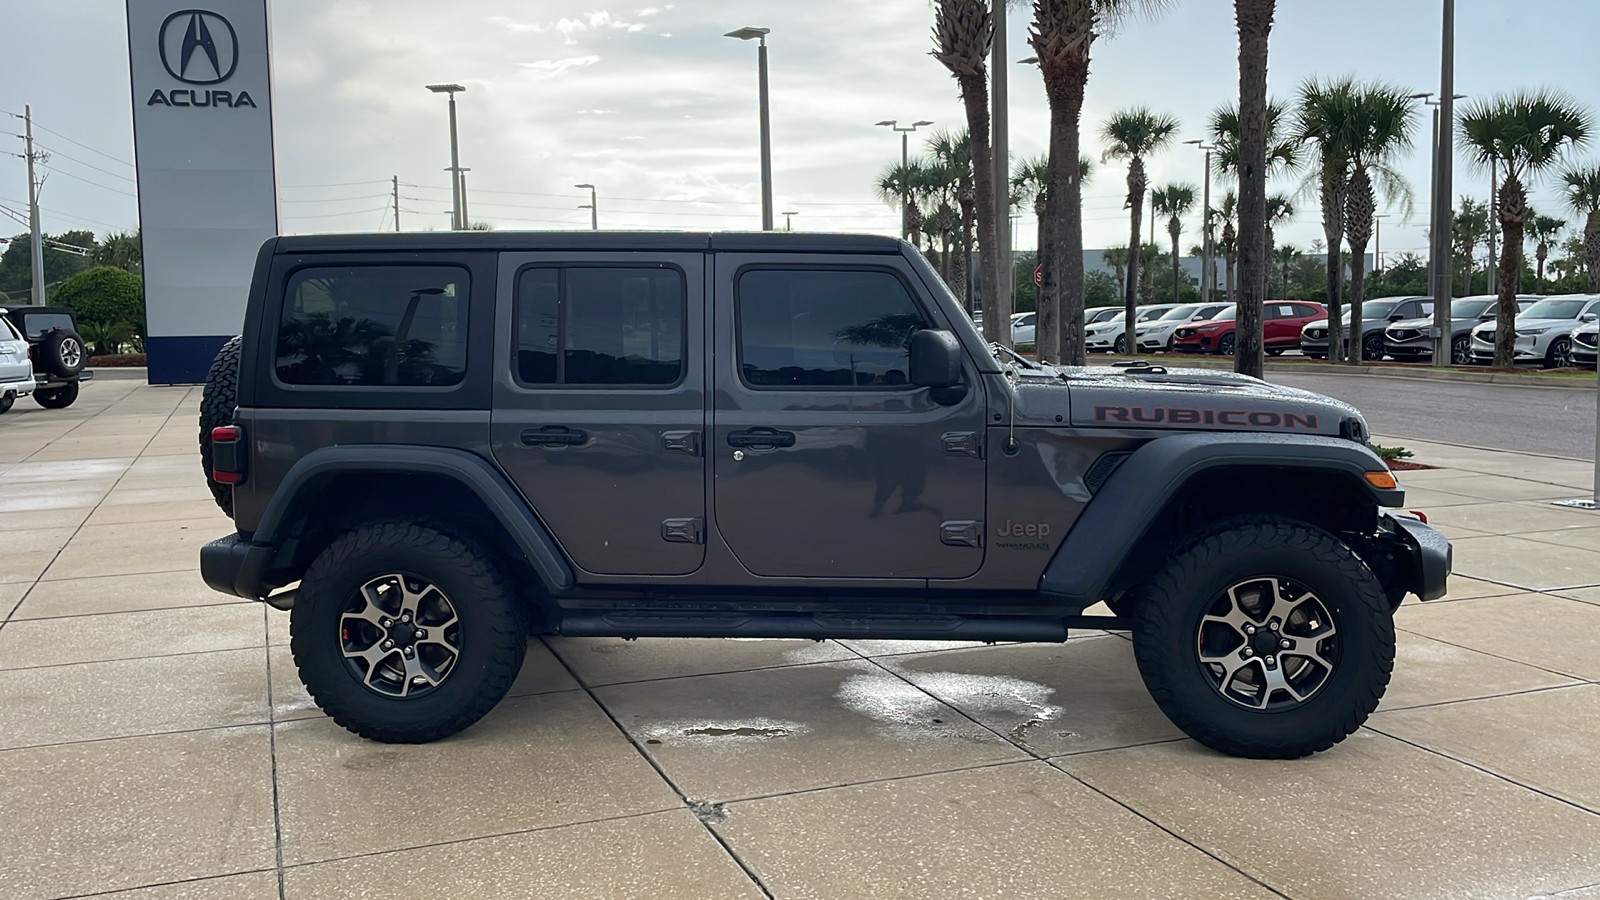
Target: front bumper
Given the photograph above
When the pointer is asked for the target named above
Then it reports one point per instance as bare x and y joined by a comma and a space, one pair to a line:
1526, 348
1423, 558
1414, 345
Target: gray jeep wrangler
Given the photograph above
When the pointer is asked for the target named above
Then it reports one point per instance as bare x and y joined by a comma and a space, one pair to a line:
434, 445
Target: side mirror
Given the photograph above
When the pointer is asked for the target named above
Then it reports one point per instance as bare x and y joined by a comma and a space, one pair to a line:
1396, 317
935, 359
1589, 317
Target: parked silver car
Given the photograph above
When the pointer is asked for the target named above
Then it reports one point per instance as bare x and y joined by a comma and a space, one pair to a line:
1544, 331
1412, 340
1376, 315
1584, 344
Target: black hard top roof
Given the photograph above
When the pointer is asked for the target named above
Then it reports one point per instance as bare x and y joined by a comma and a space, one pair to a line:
680, 241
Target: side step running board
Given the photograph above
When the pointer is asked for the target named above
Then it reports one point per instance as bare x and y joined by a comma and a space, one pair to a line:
633, 624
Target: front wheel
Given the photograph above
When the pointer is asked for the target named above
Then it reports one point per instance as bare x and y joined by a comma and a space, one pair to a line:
405, 633
1227, 345
1560, 354
1274, 352
1461, 351
1266, 638
1121, 346
57, 397
1372, 347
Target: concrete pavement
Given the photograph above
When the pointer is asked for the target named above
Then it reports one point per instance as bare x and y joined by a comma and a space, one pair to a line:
154, 737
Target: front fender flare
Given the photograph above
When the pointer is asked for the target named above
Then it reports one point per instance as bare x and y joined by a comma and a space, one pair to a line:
1127, 505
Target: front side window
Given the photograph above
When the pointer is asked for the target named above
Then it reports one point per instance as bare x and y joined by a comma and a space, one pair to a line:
374, 325
600, 326
809, 328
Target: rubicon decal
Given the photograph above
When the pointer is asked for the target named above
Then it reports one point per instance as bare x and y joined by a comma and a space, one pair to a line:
1167, 415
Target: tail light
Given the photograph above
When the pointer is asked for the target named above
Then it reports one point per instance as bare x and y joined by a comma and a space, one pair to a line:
227, 454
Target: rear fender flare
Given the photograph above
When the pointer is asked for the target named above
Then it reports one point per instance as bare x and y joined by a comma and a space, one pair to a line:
320, 468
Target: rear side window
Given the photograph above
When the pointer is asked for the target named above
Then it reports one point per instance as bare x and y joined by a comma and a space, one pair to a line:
37, 325
374, 325
618, 326
812, 328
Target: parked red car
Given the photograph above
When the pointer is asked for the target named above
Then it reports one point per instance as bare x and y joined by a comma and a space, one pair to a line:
1281, 324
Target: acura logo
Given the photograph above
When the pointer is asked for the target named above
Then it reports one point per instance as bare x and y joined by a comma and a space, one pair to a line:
199, 46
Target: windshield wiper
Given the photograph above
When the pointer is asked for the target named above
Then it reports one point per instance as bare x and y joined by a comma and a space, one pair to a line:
998, 348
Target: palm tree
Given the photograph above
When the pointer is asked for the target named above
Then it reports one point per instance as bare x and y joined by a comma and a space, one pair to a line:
1323, 117
1526, 134
1542, 230
1582, 186
963, 31
1284, 152
1254, 21
1134, 134
1469, 227
900, 186
1381, 121
1285, 257
1174, 201
1030, 186
121, 249
1149, 257
1228, 214
1280, 209
952, 175
1117, 259
1062, 34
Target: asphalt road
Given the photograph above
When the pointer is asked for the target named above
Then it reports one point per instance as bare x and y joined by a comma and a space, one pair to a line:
1556, 421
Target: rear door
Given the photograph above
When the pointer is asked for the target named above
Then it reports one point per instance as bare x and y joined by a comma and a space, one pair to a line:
826, 461
599, 403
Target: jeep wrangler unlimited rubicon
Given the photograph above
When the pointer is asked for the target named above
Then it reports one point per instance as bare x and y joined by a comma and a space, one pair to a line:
434, 445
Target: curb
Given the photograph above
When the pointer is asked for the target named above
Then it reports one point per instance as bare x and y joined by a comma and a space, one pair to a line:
1424, 374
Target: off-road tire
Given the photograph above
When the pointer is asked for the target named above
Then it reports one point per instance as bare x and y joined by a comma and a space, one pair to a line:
64, 353
217, 403
1167, 612
493, 632
57, 397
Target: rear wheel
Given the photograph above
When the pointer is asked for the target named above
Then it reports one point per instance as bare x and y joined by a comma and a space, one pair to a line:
6, 402
1266, 638
57, 397
217, 403
405, 633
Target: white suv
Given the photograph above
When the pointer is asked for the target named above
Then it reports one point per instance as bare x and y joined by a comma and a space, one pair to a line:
1157, 335
1109, 336
16, 369
1544, 331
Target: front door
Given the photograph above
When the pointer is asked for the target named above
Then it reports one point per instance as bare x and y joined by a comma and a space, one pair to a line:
599, 404
826, 461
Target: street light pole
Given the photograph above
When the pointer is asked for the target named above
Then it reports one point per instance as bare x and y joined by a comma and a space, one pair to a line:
905, 163
1377, 241
593, 207
1205, 227
1000, 144
1443, 181
745, 34
458, 219
788, 219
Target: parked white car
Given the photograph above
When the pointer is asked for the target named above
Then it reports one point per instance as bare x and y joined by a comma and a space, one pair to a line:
1110, 335
1586, 344
1157, 335
1544, 331
1022, 327
1100, 314
16, 369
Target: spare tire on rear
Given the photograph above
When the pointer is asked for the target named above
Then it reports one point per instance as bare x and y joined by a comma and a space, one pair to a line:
64, 356
217, 403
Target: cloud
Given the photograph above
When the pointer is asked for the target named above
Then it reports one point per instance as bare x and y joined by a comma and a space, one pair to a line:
553, 68
567, 28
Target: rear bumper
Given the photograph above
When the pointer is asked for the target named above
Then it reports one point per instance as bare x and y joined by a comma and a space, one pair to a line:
234, 565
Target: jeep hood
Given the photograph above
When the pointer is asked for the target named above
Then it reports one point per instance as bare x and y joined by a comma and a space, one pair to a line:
1176, 399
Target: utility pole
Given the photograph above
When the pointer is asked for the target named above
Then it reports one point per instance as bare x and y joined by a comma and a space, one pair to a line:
397, 203
1443, 185
466, 223
1001, 145
37, 248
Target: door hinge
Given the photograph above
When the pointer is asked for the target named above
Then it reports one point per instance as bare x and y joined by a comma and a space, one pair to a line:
962, 443
681, 442
684, 531
962, 533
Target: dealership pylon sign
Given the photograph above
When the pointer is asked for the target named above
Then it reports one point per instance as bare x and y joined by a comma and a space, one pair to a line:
202, 130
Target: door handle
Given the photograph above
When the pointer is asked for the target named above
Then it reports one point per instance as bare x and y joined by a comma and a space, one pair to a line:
554, 436
761, 438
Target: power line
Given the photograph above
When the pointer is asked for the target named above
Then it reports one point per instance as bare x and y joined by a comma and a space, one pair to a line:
334, 199
339, 184
56, 153
83, 145
358, 212
87, 181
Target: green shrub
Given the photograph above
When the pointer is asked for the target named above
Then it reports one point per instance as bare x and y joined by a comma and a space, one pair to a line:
1390, 454
103, 295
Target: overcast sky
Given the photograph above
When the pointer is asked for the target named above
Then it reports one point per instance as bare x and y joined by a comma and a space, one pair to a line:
655, 107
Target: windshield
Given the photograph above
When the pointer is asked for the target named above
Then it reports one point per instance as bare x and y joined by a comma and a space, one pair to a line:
1227, 315
1101, 315
1150, 315
1473, 309
1182, 313
1557, 309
